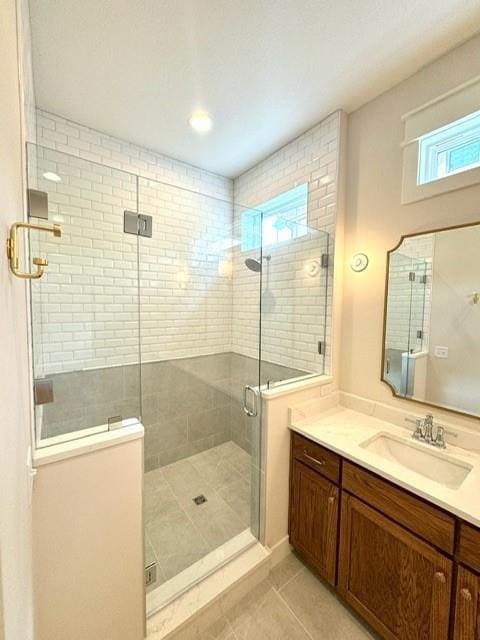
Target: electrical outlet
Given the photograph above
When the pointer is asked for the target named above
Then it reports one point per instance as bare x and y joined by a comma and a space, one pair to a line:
441, 352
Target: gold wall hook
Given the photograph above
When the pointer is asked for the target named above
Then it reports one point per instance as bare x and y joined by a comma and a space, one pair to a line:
13, 254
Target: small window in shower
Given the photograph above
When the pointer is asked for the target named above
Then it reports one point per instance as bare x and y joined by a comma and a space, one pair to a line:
278, 220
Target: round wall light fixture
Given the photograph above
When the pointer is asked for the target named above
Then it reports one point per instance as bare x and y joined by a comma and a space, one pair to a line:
359, 262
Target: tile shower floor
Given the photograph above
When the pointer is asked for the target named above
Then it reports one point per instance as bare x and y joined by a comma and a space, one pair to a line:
178, 532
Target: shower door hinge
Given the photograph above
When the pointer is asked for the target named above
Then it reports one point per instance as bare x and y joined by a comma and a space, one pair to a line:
137, 224
423, 279
321, 347
37, 204
325, 260
150, 574
114, 422
420, 335
411, 276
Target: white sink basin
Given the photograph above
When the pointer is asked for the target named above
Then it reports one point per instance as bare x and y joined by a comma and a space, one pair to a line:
420, 458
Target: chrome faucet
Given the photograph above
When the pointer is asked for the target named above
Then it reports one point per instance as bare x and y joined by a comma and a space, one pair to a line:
429, 432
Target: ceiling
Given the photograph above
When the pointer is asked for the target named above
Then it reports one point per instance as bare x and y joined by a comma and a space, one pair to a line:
266, 70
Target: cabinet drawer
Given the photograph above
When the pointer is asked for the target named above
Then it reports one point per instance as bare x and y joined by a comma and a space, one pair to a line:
425, 520
316, 457
468, 550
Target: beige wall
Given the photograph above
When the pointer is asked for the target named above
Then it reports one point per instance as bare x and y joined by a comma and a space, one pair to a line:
14, 384
375, 218
453, 381
88, 546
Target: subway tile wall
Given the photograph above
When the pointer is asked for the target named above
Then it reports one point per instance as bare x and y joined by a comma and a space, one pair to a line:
314, 158
86, 309
219, 309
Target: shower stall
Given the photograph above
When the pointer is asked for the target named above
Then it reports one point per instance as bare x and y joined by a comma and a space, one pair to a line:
175, 308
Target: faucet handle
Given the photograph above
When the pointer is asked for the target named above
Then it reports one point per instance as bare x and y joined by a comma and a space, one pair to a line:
418, 434
439, 439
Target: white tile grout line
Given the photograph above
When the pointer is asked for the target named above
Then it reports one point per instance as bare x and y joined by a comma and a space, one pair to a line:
293, 612
300, 570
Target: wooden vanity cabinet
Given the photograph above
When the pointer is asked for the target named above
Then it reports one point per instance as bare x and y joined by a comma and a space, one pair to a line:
391, 555
314, 506
467, 596
467, 606
398, 583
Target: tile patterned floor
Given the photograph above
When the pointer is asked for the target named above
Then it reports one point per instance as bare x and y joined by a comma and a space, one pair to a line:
177, 531
291, 604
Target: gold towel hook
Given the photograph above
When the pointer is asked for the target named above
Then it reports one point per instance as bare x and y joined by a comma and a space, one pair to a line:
12, 249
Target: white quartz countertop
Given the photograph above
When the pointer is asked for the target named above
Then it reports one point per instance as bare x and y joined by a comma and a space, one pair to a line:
343, 431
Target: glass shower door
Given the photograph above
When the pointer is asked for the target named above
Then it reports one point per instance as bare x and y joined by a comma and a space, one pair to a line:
200, 314
84, 309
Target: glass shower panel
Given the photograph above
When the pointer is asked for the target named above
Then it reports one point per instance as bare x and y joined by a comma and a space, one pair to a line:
294, 303
397, 331
84, 309
415, 360
417, 305
199, 447
405, 332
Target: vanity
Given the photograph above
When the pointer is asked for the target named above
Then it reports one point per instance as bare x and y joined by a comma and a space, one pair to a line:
391, 523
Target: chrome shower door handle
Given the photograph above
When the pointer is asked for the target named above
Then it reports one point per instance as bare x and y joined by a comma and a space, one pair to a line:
253, 412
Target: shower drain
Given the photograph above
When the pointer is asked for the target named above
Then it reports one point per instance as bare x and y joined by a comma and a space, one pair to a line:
199, 500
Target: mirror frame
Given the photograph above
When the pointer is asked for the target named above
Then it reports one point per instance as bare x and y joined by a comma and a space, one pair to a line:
384, 334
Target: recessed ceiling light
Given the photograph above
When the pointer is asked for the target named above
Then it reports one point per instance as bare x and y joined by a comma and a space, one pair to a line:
201, 121
53, 177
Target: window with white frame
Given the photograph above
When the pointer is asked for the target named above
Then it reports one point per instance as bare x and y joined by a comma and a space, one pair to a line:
441, 145
450, 149
278, 220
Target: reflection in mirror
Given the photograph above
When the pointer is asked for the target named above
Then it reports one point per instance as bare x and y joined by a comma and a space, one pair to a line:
431, 348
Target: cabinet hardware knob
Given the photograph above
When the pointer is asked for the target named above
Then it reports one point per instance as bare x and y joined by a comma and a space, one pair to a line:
312, 459
440, 576
331, 499
465, 593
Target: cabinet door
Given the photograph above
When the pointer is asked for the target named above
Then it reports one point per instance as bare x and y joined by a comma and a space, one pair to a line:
398, 583
314, 519
467, 608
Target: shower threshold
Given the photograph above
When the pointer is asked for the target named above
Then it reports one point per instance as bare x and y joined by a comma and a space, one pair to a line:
169, 591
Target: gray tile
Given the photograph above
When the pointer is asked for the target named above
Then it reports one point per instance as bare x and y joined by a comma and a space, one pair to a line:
240, 613
285, 571
159, 499
235, 492
174, 564
270, 619
185, 481
321, 611
151, 462
218, 473
242, 462
168, 433
174, 535
181, 532
150, 557
217, 526
205, 423
219, 630
238, 496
